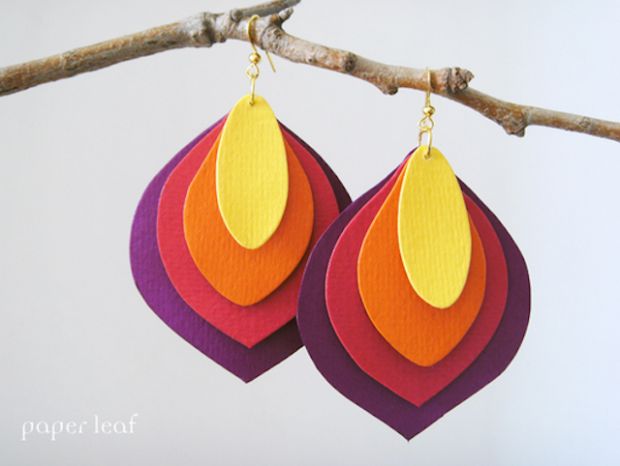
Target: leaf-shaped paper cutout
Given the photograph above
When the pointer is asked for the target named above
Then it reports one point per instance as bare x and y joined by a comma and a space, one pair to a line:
334, 363
413, 327
252, 173
433, 229
370, 351
159, 293
299, 145
246, 276
247, 325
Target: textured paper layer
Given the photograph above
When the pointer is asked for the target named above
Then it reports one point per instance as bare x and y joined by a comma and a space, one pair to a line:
159, 293
247, 325
298, 144
246, 276
433, 229
340, 370
417, 330
370, 351
252, 174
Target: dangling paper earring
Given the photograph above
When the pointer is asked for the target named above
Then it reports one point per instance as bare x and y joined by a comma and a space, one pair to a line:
416, 297
222, 233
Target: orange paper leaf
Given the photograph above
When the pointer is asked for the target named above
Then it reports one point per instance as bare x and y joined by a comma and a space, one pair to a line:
246, 276
418, 331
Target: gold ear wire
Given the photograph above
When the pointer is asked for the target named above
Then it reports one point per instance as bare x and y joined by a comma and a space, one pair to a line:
252, 71
426, 124
250, 33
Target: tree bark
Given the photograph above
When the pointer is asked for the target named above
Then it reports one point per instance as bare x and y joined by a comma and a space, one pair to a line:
206, 29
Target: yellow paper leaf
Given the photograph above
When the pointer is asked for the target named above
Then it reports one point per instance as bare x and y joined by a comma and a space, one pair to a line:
251, 173
433, 229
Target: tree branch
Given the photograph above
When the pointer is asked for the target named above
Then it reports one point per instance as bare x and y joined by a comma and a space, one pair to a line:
206, 29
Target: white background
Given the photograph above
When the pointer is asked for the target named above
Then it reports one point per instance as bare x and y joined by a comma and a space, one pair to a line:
76, 339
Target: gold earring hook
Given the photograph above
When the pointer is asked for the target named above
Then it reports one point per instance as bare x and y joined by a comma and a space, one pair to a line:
250, 34
426, 124
252, 71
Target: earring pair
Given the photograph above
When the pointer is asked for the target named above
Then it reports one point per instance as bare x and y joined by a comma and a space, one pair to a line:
408, 301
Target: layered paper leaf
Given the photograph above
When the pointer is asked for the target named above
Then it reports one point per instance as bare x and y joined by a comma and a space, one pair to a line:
416, 329
351, 352
256, 272
371, 352
246, 340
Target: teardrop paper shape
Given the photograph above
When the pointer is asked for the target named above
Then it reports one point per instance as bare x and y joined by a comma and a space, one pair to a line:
433, 229
252, 173
371, 352
246, 276
248, 325
160, 294
342, 372
417, 330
